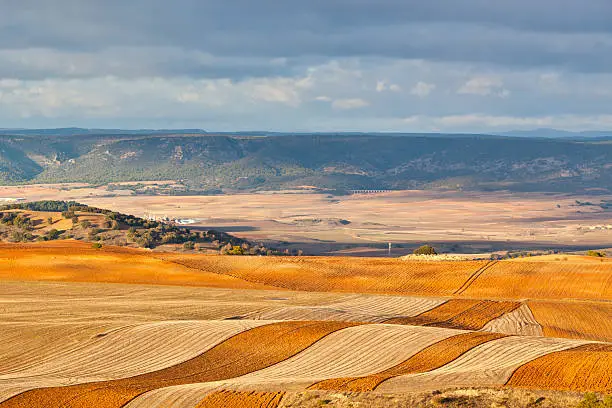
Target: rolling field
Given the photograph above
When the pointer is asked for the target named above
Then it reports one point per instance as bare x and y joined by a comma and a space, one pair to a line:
116, 327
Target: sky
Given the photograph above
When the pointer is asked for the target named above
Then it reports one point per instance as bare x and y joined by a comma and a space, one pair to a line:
316, 65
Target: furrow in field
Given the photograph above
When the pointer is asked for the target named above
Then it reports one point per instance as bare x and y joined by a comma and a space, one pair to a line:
359, 308
477, 316
430, 358
186, 395
473, 278
577, 278
440, 313
520, 322
248, 351
584, 368
251, 399
133, 350
388, 305
355, 351
464, 314
23, 344
315, 313
489, 364
574, 320
329, 274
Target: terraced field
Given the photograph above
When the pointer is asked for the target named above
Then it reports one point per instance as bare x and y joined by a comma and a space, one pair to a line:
83, 327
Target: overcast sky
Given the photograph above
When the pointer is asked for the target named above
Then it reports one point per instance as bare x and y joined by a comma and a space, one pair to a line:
307, 65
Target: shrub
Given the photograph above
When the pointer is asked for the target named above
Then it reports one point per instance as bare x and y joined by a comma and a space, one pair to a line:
590, 400
96, 245
53, 234
597, 254
189, 245
425, 250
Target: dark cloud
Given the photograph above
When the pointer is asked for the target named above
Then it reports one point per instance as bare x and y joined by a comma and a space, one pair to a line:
570, 34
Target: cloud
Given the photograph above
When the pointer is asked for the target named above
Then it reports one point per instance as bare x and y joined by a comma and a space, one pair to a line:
382, 86
422, 89
477, 122
484, 86
294, 65
352, 103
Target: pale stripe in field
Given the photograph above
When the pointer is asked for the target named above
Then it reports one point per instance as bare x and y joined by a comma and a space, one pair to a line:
520, 322
354, 351
489, 364
359, 308
126, 352
388, 305
187, 395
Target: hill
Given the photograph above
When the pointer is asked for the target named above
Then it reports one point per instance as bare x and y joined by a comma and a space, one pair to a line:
119, 327
214, 162
61, 220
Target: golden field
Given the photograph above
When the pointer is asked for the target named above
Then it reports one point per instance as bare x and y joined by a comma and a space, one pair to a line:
118, 327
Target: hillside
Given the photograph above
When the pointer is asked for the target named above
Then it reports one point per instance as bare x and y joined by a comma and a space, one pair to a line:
118, 327
335, 162
60, 220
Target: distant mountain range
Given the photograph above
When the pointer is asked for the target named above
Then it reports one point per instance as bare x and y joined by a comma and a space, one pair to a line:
75, 131
206, 162
560, 134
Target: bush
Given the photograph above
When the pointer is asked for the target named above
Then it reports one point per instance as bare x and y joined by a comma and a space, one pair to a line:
597, 254
96, 245
425, 250
590, 400
189, 245
53, 234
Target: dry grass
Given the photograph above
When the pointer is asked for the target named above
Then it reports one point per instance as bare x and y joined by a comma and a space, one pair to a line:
248, 351
242, 399
465, 397
428, 359
584, 368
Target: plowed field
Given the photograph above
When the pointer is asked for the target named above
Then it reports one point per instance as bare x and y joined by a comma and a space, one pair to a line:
246, 352
242, 399
369, 275
575, 320
574, 278
460, 314
430, 358
584, 368
73, 261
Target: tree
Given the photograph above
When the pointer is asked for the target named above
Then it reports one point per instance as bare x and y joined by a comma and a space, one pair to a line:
189, 245
597, 254
425, 250
53, 234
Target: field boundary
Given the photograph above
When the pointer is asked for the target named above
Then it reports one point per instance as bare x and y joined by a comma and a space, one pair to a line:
473, 277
